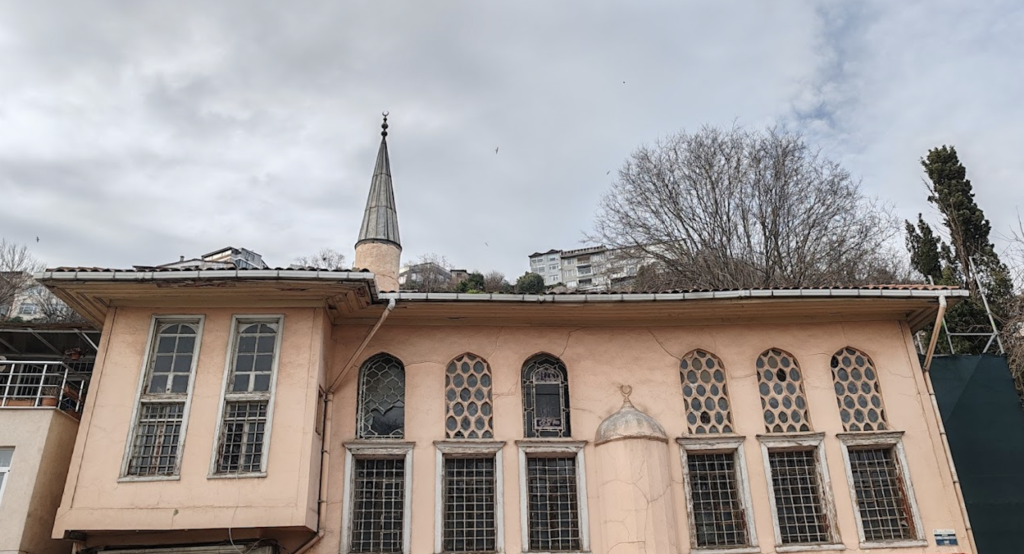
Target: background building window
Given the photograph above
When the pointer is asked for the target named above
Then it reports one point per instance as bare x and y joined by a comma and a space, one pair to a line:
381, 398
248, 395
158, 433
6, 454
28, 308
545, 398
705, 393
468, 398
857, 391
780, 382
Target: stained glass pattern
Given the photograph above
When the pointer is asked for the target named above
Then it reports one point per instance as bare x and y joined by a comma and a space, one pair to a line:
857, 391
468, 399
704, 390
783, 402
381, 398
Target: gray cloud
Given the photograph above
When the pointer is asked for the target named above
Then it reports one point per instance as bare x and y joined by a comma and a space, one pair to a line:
143, 131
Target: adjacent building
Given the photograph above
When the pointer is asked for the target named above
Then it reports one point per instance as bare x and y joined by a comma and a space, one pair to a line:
317, 411
594, 268
228, 257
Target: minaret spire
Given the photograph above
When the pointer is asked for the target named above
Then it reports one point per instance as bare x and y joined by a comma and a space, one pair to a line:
380, 219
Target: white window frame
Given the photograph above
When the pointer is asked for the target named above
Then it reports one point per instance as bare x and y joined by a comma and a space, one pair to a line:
801, 441
154, 323
376, 449
894, 440
469, 449
5, 470
551, 448
237, 321
719, 444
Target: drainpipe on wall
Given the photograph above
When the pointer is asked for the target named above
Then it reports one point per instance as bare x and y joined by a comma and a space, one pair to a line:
325, 449
942, 428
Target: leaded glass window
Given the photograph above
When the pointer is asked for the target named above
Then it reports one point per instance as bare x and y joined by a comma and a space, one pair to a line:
381, 398
857, 391
158, 430
545, 398
468, 398
780, 382
705, 393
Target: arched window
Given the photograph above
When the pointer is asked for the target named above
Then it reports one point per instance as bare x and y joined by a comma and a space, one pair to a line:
857, 391
782, 392
707, 399
545, 397
467, 383
381, 398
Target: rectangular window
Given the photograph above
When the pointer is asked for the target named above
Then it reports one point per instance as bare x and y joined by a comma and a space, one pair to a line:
28, 308
154, 448
378, 496
718, 516
553, 504
248, 396
797, 489
5, 468
469, 500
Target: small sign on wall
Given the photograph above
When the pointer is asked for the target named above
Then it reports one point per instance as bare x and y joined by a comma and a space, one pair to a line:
945, 537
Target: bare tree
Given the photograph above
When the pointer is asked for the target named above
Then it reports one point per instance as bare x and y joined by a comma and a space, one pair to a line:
495, 281
16, 268
326, 258
738, 209
53, 309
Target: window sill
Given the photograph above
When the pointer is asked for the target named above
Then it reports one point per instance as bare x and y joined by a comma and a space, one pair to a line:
254, 475
727, 550
894, 544
147, 478
809, 547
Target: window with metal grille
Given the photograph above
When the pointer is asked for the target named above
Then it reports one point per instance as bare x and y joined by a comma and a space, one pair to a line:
381, 398
704, 390
799, 502
154, 448
545, 398
469, 511
468, 398
718, 516
553, 497
780, 383
857, 391
882, 499
378, 505
248, 396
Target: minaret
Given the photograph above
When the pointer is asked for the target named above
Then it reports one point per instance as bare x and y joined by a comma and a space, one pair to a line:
379, 249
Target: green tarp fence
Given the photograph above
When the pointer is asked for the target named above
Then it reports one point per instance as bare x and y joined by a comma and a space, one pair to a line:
985, 429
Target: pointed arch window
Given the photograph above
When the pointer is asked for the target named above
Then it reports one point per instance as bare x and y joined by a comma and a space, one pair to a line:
783, 402
381, 398
467, 392
545, 398
704, 389
857, 391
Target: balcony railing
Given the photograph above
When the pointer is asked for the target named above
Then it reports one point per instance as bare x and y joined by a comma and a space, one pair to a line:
45, 384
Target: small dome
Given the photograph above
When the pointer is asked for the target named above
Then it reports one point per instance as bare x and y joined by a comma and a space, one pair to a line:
629, 423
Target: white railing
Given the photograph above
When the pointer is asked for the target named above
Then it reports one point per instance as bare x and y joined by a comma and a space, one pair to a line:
45, 384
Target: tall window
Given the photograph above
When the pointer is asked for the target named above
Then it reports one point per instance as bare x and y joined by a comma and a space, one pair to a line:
5, 468
717, 492
468, 399
159, 431
857, 391
553, 496
248, 396
800, 493
381, 398
378, 482
545, 398
469, 504
780, 382
704, 390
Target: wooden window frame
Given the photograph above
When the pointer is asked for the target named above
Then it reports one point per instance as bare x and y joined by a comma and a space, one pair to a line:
554, 448
376, 449
469, 449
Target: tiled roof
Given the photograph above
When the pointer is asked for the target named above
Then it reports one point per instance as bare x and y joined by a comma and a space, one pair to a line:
896, 291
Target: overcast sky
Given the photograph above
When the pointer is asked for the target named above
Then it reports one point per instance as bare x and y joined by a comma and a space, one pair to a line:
135, 132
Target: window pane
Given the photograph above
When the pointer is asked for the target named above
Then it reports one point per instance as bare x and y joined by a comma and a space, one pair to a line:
705, 394
241, 448
5, 456
881, 498
378, 498
553, 504
155, 445
857, 391
798, 497
545, 398
468, 399
717, 511
469, 495
259, 337
782, 393
381, 398
172, 353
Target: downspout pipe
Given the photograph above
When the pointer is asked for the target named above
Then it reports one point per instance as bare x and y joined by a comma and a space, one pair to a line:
325, 449
942, 428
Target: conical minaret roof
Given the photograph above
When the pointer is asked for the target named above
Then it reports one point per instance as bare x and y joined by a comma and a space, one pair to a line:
380, 220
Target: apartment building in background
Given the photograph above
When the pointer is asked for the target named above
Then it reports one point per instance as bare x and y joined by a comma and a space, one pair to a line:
300, 411
594, 268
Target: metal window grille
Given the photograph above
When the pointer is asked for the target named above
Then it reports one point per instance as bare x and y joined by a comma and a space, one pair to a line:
881, 497
553, 501
378, 497
780, 383
704, 389
469, 497
468, 399
241, 449
798, 497
155, 445
381, 398
718, 515
546, 398
857, 391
